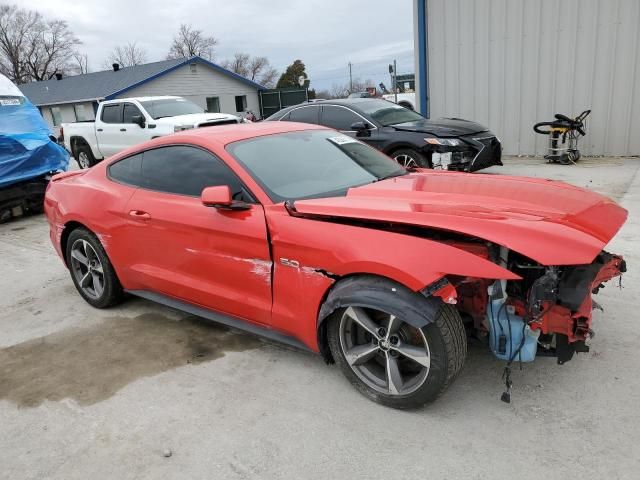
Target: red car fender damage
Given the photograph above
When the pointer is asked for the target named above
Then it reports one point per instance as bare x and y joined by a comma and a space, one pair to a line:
299, 288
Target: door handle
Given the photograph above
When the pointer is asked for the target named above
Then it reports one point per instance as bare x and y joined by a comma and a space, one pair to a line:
139, 214
99, 129
123, 129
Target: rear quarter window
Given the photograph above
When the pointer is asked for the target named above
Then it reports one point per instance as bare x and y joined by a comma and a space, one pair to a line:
127, 170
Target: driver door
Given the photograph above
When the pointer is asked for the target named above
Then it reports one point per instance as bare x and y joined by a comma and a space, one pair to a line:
218, 259
132, 133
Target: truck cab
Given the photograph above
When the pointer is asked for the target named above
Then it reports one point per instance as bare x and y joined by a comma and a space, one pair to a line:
125, 122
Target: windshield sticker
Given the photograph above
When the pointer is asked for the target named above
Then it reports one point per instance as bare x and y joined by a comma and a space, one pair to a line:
341, 140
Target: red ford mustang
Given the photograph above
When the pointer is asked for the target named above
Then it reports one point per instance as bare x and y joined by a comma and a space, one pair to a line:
306, 236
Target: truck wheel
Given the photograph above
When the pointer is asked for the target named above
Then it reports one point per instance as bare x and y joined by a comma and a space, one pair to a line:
84, 156
374, 339
91, 271
409, 158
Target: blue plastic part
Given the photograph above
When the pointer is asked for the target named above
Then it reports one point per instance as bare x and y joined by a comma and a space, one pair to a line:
503, 323
26, 147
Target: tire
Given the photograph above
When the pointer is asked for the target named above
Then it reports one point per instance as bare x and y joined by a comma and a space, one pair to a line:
425, 375
91, 271
84, 156
410, 158
406, 105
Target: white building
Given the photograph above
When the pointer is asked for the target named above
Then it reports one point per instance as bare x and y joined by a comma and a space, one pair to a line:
76, 98
511, 63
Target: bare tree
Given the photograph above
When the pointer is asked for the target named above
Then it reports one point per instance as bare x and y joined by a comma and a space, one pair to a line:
341, 91
51, 48
16, 27
338, 91
256, 69
32, 48
126, 56
238, 64
80, 63
190, 41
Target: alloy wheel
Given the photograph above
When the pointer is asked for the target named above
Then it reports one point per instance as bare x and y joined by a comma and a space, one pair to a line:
87, 268
407, 161
386, 353
83, 160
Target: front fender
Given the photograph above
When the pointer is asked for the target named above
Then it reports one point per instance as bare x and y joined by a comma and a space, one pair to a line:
309, 255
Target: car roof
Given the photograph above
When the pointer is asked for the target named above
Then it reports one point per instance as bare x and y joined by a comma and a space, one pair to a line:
354, 103
225, 134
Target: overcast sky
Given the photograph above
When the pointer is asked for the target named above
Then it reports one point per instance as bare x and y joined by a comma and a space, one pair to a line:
324, 34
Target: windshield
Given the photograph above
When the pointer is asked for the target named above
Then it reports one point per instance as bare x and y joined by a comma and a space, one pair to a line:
170, 107
311, 163
388, 113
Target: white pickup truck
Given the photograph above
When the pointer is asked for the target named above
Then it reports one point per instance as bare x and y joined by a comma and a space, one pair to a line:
406, 100
128, 121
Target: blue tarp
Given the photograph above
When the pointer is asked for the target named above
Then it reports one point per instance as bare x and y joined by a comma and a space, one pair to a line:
26, 148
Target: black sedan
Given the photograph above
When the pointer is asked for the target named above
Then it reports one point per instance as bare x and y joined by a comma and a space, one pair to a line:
408, 137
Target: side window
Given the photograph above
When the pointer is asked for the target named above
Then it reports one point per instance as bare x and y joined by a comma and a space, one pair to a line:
56, 115
80, 113
112, 114
241, 103
339, 118
127, 170
186, 171
213, 104
129, 111
305, 115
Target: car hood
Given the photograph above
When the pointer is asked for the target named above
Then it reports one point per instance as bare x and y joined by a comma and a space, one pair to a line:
553, 223
442, 127
195, 119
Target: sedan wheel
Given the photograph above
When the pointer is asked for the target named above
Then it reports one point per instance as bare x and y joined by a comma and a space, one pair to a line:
407, 161
386, 353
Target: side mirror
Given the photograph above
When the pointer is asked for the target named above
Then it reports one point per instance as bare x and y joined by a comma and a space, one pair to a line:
362, 128
220, 197
138, 120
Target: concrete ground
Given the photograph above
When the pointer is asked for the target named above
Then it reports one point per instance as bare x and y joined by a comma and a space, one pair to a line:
86, 393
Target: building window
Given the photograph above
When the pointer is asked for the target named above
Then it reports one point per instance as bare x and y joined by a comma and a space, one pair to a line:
241, 103
81, 114
193, 67
56, 115
213, 105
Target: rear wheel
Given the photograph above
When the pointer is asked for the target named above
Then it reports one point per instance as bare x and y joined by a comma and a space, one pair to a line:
84, 156
410, 158
386, 356
91, 271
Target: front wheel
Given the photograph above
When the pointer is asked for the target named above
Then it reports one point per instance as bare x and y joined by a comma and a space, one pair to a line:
410, 158
390, 360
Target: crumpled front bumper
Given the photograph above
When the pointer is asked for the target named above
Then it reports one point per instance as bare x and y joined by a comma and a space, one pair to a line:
570, 318
478, 151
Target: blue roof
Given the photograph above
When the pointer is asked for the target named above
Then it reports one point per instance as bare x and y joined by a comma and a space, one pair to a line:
109, 84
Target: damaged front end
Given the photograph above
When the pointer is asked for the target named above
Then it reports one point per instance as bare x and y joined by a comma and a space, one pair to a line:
548, 312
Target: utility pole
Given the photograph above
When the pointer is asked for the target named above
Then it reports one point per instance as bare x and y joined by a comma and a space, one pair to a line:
395, 81
350, 80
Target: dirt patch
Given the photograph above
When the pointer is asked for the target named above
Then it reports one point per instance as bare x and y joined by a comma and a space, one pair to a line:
92, 364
